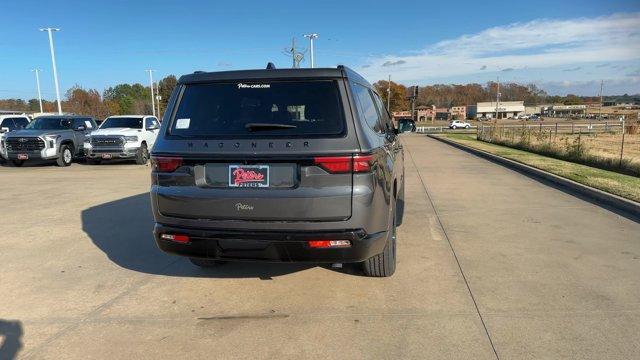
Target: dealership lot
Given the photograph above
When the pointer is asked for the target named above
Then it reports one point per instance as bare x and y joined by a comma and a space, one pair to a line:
491, 263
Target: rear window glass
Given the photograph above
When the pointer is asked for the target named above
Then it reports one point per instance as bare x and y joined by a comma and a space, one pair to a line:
265, 109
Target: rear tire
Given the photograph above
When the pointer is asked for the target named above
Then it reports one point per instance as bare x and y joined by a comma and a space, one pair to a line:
142, 156
383, 264
206, 263
17, 163
65, 158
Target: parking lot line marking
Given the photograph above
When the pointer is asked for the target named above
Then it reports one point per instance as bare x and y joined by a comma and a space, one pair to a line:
455, 256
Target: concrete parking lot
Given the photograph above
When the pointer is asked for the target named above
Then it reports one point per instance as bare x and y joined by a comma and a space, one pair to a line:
492, 264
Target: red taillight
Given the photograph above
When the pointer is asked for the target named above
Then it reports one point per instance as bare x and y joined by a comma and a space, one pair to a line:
334, 164
321, 244
362, 163
175, 237
165, 164
345, 164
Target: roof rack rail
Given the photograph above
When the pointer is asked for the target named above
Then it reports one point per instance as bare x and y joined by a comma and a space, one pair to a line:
199, 72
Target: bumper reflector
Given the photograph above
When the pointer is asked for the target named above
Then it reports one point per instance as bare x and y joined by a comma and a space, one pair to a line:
321, 244
176, 238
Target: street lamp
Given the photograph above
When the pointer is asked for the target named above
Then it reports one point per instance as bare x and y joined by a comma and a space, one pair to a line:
153, 104
311, 37
53, 61
38, 85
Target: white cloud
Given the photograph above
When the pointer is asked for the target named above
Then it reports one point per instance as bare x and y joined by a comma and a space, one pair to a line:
539, 44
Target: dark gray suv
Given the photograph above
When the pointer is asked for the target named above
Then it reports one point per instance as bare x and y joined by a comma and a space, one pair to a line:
292, 165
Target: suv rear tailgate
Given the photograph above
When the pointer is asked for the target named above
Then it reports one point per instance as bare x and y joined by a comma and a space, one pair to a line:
298, 191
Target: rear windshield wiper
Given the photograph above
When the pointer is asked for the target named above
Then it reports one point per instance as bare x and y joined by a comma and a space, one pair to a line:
268, 126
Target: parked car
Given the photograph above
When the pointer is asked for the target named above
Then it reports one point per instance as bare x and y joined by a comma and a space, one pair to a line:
55, 137
9, 123
459, 124
123, 137
292, 165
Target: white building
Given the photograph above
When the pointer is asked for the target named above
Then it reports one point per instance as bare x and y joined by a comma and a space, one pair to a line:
505, 109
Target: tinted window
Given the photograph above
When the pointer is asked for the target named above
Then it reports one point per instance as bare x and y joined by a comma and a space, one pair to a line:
151, 121
384, 114
21, 123
49, 123
266, 109
86, 122
8, 123
367, 108
122, 122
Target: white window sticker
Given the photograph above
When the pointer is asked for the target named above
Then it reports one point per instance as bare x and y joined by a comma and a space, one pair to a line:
87, 124
253, 86
182, 123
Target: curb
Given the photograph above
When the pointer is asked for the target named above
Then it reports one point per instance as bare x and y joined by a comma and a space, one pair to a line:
598, 196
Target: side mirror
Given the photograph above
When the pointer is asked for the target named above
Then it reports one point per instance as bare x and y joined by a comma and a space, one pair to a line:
4, 130
81, 128
152, 127
404, 126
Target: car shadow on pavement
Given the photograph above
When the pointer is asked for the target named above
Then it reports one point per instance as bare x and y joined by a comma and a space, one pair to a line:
10, 338
122, 229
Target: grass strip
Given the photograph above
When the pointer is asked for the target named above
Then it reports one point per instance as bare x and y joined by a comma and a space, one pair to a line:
609, 181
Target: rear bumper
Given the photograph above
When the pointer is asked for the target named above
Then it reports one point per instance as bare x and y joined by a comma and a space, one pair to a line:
270, 246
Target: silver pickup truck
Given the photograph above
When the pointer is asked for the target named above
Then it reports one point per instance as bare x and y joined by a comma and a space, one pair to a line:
53, 137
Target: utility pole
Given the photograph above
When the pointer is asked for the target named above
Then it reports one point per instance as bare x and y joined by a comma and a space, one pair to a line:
497, 98
153, 105
296, 56
53, 62
311, 37
38, 85
414, 96
600, 111
389, 94
158, 98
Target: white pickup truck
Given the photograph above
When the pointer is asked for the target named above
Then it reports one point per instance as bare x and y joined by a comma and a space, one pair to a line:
123, 137
10, 123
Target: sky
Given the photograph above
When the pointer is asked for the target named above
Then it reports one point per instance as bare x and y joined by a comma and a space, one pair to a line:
561, 46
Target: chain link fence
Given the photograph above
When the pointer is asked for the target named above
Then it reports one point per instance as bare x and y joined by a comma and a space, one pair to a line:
609, 146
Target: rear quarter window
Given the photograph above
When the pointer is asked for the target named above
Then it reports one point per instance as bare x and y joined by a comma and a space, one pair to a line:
367, 108
260, 109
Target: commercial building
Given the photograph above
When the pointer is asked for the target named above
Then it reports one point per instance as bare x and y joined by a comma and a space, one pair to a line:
566, 110
458, 112
505, 109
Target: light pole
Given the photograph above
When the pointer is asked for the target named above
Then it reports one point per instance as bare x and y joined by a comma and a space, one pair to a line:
38, 85
53, 62
153, 104
311, 37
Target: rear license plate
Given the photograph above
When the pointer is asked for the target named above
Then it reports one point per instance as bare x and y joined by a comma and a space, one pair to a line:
23, 157
106, 156
249, 175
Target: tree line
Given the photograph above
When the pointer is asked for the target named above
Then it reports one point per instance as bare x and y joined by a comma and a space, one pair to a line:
122, 99
135, 98
446, 96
